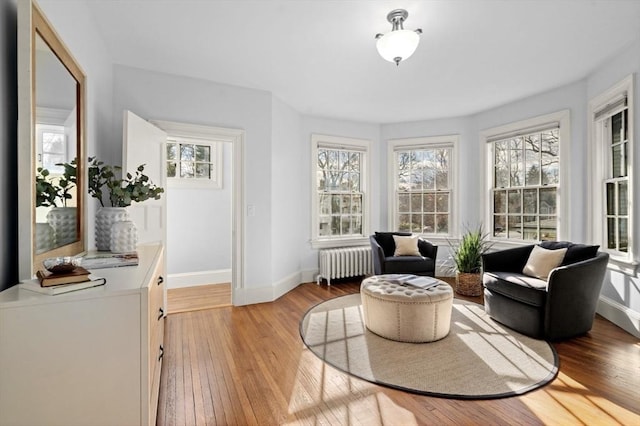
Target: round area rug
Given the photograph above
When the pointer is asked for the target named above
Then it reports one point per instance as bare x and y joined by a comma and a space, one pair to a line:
479, 358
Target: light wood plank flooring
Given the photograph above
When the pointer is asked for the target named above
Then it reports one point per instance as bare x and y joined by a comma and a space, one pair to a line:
196, 298
247, 365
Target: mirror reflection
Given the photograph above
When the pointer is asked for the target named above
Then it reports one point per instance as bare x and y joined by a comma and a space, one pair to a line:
56, 141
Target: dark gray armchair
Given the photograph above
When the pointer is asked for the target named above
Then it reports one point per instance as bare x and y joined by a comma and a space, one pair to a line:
384, 262
560, 307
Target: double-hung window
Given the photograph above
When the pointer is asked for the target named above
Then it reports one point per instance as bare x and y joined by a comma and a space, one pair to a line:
612, 180
525, 178
340, 212
423, 185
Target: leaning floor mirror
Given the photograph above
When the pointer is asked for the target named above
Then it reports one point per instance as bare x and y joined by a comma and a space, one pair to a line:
51, 144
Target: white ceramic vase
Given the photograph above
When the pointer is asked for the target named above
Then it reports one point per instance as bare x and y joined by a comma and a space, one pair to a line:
64, 222
44, 237
124, 237
105, 218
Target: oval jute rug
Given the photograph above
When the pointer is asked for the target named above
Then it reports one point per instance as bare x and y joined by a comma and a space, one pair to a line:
479, 358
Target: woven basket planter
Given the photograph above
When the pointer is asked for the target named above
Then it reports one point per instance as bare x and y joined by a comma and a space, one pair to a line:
468, 284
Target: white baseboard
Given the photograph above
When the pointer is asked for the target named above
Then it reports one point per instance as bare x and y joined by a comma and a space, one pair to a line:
622, 316
192, 279
309, 275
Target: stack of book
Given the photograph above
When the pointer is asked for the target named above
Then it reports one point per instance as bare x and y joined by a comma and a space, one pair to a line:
48, 283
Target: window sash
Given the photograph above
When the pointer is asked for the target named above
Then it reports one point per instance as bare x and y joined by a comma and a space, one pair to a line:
340, 191
419, 209
523, 181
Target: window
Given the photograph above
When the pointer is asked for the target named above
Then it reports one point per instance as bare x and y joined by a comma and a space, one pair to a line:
617, 181
340, 185
526, 178
526, 186
612, 154
52, 144
194, 162
423, 185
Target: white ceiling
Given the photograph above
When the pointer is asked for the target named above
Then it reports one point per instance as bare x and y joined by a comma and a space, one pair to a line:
320, 56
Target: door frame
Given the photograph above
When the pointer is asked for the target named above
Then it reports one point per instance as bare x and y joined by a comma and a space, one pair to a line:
236, 138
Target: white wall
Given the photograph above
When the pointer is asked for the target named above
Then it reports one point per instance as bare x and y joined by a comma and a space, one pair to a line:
287, 224
159, 96
205, 243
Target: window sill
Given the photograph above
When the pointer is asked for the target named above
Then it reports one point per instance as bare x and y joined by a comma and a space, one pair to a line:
339, 242
623, 265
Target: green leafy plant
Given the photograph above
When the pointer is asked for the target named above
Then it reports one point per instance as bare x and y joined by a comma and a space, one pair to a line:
46, 191
121, 192
467, 254
49, 189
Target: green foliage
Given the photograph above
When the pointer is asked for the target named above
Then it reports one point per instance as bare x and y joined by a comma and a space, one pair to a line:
68, 181
467, 255
121, 192
48, 191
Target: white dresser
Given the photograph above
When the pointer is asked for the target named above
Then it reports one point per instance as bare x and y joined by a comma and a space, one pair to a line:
91, 357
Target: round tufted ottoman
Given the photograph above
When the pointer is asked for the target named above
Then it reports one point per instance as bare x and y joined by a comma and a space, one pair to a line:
406, 313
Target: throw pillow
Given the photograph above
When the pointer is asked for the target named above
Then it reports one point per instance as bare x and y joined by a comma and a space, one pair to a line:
541, 261
579, 252
385, 239
406, 246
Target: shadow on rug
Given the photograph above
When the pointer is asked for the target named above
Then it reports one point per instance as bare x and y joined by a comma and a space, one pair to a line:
479, 359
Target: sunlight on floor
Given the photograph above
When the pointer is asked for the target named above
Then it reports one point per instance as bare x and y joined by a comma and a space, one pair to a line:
579, 405
323, 395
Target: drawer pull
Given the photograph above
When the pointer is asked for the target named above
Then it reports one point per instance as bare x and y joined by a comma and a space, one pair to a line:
161, 353
161, 314
160, 280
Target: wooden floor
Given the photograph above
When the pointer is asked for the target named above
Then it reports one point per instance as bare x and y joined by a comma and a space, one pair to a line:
196, 298
247, 365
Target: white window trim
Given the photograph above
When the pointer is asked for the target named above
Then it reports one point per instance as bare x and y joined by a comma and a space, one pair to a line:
429, 142
564, 132
363, 145
202, 135
216, 149
619, 261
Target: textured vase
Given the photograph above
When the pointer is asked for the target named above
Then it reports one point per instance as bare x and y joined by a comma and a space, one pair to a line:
105, 218
44, 237
64, 222
124, 237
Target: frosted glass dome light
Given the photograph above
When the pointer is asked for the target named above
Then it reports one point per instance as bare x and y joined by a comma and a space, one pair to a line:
398, 44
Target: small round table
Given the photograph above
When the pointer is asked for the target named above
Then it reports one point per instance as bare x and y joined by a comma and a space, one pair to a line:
405, 313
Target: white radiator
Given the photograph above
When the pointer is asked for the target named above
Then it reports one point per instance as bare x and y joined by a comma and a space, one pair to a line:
345, 262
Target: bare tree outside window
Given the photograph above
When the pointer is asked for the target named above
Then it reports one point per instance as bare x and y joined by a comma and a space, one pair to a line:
525, 187
340, 196
423, 193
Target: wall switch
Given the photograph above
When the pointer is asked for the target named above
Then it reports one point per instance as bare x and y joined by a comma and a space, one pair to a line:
251, 210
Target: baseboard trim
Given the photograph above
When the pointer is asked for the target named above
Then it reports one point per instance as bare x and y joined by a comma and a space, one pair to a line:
192, 279
622, 316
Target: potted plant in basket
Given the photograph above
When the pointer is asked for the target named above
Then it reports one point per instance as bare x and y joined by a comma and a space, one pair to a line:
467, 257
120, 192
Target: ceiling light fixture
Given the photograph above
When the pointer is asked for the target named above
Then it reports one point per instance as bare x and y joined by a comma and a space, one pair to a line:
398, 44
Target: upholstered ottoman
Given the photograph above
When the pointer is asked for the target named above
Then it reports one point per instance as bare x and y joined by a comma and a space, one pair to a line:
406, 313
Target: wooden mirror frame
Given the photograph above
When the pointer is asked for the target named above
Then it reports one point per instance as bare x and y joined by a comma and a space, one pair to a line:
32, 22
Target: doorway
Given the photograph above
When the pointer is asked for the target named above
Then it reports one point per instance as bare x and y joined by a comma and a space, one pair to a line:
204, 220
